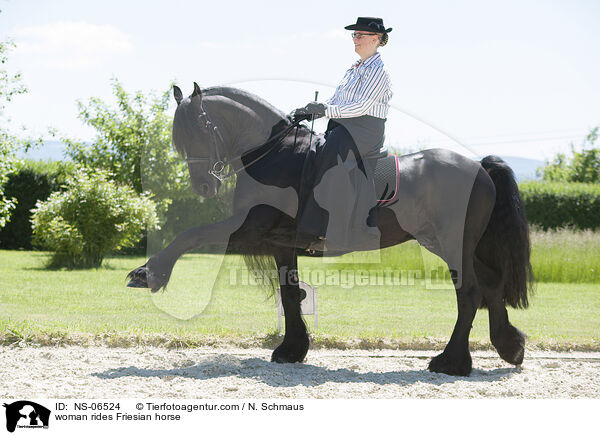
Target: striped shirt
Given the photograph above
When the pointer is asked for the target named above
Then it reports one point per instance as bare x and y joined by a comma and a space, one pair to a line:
364, 90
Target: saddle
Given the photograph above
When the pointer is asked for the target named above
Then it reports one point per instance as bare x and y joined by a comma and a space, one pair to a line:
386, 175
387, 179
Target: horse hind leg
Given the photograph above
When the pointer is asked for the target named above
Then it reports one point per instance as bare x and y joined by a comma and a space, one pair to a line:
504, 268
456, 359
508, 340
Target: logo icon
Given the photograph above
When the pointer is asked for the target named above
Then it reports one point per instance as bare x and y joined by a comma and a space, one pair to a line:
26, 414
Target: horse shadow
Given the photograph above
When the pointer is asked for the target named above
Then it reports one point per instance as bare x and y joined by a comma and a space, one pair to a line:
300, 374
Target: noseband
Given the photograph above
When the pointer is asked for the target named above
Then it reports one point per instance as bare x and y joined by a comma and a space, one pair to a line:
217, 164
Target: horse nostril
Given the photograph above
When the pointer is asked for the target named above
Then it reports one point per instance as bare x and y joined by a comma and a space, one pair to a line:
204, 189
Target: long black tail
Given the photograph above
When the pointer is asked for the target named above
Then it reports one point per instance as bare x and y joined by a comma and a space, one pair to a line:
505, 244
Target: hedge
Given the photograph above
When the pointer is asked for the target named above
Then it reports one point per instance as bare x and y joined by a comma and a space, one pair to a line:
558, 204
34, 180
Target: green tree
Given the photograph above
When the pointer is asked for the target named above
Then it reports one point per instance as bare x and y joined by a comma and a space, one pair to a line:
91, 218
583, 166
133, 143
10, 85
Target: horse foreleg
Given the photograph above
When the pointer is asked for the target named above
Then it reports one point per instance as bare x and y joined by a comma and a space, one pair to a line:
295, 342
156, 272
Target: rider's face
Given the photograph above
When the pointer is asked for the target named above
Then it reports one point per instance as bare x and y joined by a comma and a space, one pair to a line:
365, 41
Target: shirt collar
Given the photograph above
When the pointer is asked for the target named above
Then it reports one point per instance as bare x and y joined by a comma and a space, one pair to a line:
369, 60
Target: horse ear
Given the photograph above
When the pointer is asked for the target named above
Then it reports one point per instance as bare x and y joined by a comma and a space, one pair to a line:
197, 97
197, 91
177, 94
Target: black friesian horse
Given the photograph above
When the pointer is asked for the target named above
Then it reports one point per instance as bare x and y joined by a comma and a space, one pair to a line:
469, 213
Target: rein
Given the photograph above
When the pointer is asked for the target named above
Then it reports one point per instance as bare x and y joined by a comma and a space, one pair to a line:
219, 165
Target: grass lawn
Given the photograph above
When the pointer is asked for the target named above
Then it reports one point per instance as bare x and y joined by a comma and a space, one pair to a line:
566, 255
57, 306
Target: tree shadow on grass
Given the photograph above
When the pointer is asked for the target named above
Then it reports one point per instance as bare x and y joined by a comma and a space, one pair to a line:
49, 264
291, 375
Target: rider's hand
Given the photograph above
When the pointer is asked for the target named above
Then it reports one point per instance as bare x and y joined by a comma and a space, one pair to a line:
314, 108
299, 115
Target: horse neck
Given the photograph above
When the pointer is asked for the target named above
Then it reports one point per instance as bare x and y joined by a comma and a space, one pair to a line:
262, 108
244, 126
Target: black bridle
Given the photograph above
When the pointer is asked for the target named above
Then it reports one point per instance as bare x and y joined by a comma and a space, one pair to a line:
217, 164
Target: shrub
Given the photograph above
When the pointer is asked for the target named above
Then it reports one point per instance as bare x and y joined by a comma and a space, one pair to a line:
90, 219
557, 205
32, 181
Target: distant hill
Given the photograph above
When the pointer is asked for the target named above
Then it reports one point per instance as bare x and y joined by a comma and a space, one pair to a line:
50, 150
523, 168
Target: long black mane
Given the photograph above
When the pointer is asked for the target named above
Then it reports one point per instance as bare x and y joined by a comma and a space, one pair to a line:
261, 106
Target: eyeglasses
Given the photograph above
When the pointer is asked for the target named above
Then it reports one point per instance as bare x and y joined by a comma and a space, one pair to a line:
360, 35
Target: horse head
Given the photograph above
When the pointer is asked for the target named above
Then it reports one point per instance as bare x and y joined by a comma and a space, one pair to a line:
197, 140
242, 122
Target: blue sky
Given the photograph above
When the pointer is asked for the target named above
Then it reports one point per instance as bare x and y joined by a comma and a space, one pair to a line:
481, 77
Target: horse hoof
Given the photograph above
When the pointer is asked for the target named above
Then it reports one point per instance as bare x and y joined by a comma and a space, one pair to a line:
138, 278
285, 357
510, 344
135, 283
279, 359
517, 358
286, 354
444, 364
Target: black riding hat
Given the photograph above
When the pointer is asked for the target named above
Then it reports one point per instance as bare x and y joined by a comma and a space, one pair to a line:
369, 24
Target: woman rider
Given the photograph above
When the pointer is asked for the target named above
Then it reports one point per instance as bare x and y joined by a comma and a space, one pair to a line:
341, 209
